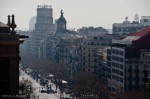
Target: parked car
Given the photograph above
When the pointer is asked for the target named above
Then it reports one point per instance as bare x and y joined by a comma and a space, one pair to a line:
43, 91
51, 91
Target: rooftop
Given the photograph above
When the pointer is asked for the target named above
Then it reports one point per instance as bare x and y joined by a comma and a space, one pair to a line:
142, 32
133, 36
3, 25
44, 6
4, 28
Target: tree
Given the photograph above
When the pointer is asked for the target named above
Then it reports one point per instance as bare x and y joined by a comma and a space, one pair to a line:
87, 85
25, 89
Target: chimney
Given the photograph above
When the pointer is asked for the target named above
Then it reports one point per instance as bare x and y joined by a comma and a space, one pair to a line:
13, 25
8, 23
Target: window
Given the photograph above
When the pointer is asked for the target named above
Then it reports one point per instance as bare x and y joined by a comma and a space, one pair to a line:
101, 38
145, 66
121, 59
121, 73
113, 57
95, 38
113, 76
145, 20
109, 64
88, 59
92, 43
117, 72
84, 48
117, 52
88, 54
117, 78
113, 70
113, 51
117, 65
130, 66
113, 64
117, 58
113, 89
121, 52
121, 80
108, 51
121, 66
109, 58
97, 43
83, 58
84, 53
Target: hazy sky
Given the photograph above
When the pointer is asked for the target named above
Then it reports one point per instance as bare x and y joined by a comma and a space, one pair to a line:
78, 13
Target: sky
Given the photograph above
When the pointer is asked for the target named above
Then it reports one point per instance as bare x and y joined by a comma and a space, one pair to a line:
78, 13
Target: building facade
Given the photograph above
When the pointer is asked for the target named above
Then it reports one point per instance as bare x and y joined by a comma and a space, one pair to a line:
145, 20
9, 59
126, 27
129, 60
90, 49
92, 31
43, 27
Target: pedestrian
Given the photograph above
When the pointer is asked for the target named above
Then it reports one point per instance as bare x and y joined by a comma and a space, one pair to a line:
56, 87
50, 86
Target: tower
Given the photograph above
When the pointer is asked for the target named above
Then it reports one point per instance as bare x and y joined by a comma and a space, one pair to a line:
61, 23
43, 27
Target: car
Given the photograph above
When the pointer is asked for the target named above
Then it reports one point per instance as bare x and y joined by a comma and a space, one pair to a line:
43, 91
51, 91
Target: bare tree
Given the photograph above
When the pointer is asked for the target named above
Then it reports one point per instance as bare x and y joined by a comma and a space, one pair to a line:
25, 89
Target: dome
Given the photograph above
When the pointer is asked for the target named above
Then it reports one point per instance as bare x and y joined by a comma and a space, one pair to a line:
61, 18
126, 21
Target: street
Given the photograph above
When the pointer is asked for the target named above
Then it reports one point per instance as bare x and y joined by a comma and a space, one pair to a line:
37, 88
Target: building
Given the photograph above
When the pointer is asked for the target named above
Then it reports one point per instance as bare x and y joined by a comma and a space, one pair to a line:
43, 27
145, 20
126, 27
92, 31
61, 23
129, 61
32, 23
90, 49
62, 47
9, 59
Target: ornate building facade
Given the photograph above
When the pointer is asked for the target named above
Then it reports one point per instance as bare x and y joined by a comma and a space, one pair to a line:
9, 59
